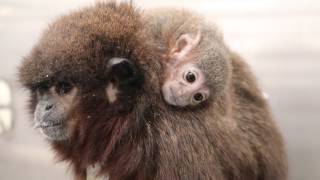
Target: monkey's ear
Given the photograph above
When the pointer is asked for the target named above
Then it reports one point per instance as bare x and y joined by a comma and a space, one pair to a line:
125, 74
184, 45
121, 68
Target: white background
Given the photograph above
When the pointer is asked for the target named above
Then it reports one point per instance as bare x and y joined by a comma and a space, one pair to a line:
279, 39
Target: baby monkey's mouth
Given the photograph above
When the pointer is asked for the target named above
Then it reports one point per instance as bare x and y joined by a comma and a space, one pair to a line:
173, 95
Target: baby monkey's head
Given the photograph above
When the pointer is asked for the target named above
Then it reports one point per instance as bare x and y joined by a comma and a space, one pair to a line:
186, 86
196, 70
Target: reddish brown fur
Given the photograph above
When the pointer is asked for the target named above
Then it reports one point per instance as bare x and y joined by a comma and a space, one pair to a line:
141, 137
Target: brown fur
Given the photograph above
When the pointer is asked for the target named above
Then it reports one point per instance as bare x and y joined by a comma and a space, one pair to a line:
142, 137
248, 112
166, 25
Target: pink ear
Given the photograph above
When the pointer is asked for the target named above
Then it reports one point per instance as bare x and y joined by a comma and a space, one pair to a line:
184, 46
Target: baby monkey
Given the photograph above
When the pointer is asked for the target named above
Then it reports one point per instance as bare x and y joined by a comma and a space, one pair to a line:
195, 58
185, 83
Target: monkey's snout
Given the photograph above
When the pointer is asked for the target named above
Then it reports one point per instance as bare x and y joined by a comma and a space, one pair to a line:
48, 107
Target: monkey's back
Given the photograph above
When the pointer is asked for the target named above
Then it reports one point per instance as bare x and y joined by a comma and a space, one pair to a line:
239, 137
254, 119
234, 138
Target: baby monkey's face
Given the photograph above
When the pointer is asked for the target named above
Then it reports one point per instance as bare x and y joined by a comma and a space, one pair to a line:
186, 85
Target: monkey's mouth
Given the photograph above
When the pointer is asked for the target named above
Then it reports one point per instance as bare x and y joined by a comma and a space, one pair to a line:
50, 125
55, 131
173, 95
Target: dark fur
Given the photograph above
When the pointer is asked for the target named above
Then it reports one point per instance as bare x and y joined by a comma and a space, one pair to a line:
140, 137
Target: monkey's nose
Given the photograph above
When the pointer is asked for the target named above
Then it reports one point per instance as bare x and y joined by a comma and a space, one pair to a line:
48, 107
181, 92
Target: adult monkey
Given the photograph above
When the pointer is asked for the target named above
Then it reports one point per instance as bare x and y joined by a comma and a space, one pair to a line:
96, 94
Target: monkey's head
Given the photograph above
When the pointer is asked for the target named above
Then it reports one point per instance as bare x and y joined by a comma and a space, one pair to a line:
86, 71
197, 65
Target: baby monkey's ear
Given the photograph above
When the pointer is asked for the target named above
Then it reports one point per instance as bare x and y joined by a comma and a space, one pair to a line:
183, 46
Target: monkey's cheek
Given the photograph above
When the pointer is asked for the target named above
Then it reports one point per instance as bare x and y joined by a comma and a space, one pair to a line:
55, 133
170, 100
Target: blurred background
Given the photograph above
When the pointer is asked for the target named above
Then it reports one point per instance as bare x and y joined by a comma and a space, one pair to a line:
280, 39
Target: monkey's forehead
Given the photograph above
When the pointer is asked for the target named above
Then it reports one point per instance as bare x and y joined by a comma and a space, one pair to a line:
79, 44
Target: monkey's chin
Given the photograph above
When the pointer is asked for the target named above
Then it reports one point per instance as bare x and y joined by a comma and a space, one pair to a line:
169, 98
55, 133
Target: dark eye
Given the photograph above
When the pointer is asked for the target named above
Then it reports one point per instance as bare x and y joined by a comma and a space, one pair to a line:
190, 77
63, 88
41, 88
198, 97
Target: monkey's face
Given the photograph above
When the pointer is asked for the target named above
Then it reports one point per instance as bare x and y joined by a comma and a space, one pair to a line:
83, 73
186, 85
53, 105
57, 102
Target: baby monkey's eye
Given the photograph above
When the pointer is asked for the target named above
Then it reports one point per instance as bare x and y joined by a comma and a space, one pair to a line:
190, 77
198, 97
62, 88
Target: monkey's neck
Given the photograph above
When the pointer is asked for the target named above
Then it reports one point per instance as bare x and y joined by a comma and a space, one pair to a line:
117, 145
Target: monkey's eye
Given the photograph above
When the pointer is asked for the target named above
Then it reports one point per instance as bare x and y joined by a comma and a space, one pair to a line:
62, 88
190, 77
198, 97
41, 88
